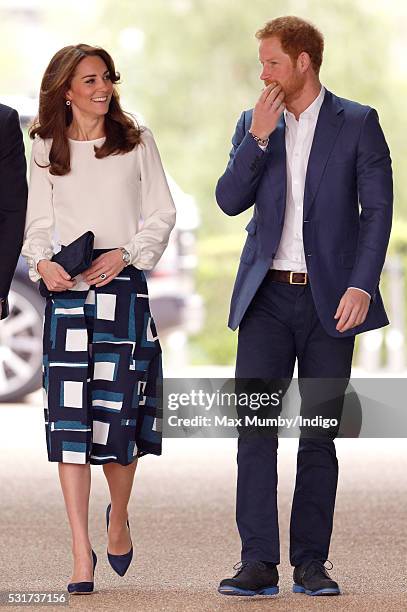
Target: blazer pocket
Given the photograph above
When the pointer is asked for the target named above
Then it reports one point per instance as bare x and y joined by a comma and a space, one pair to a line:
342, 159
251, 227
347, 259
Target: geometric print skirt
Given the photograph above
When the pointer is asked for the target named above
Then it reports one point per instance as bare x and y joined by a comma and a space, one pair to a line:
102, 373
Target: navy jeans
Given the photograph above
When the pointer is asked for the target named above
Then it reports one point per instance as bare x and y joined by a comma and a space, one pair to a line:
280, 326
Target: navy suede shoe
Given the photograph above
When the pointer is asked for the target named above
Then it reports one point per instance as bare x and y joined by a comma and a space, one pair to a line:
120, 563
312, 578
252, 578
83, 588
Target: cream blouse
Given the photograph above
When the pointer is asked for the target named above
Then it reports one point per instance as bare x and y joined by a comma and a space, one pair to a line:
108, 196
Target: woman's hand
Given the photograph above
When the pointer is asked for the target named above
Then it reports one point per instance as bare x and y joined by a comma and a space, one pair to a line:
110, 263
54, 276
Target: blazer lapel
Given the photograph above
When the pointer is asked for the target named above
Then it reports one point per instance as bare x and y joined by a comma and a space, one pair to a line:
277, 168
330, 121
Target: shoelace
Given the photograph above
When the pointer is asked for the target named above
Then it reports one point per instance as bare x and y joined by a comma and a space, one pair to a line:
240, 565
318, 564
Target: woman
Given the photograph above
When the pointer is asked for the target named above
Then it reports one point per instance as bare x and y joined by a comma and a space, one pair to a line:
93, 168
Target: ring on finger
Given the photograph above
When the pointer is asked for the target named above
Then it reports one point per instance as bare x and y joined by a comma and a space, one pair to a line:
103, 276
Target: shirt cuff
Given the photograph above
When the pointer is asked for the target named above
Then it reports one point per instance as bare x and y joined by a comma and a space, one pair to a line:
358, 288
34, 261
134, 252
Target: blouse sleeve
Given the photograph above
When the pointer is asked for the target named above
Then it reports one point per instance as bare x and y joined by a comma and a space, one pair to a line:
157, 208
39, 223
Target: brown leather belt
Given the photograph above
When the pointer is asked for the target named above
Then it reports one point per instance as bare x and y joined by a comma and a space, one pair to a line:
286, 276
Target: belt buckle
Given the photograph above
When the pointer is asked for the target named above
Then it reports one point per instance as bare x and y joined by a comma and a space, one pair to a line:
293, 282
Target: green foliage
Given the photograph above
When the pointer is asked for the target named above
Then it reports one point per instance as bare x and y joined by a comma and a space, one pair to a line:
398, 242
216, 343
195, 73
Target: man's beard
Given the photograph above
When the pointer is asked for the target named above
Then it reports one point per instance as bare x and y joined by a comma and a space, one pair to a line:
293, 88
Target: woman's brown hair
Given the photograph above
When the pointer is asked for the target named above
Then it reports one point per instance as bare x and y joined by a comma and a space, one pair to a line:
54, 116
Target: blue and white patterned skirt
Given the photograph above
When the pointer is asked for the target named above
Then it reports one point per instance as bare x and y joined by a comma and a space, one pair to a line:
102, 373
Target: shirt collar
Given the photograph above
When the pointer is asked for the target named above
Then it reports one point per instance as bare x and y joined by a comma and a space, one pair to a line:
312, 110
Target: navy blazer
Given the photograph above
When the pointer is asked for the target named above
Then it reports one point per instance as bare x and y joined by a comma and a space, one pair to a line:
13, 196
349, 164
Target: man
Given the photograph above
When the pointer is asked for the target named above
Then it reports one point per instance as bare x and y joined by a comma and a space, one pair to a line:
308, 282
13, 199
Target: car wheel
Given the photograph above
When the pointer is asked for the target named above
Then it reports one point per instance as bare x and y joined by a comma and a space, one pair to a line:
21, 343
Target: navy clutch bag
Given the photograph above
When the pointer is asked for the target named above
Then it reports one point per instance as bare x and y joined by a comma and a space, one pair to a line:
75, 258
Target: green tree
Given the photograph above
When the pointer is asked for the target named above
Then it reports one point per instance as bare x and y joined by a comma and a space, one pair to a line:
198, 70
190, 67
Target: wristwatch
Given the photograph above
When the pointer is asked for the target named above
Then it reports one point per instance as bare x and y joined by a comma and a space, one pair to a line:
126, 256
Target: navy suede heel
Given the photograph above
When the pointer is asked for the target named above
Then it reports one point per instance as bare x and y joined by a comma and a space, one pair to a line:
83, 588
120, 563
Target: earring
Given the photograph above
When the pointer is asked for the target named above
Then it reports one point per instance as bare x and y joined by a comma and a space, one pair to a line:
68, 102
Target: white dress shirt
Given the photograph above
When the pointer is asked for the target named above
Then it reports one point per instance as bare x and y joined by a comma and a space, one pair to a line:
299, 136
298, 140
108, 196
